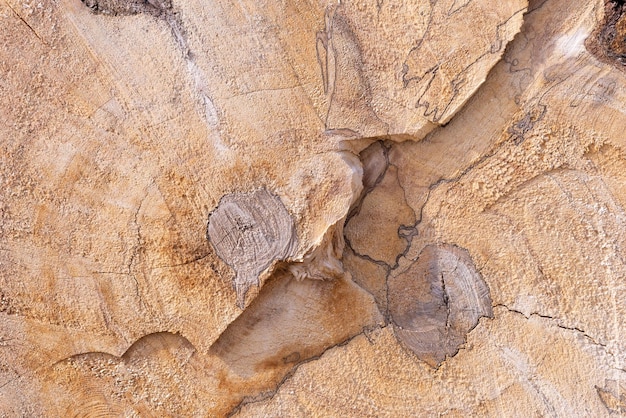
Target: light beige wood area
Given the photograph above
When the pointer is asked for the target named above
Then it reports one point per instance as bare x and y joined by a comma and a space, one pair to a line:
312, 208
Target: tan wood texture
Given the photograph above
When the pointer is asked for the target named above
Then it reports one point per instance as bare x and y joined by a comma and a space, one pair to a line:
312, 208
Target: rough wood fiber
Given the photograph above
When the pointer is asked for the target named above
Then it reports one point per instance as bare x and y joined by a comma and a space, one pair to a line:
431, 205
526, 178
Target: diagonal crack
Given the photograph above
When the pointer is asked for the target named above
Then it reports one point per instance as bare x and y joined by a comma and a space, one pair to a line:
27, 24
270, 394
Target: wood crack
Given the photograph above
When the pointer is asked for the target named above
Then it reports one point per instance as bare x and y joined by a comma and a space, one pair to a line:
557, 322
27, 24
269, 395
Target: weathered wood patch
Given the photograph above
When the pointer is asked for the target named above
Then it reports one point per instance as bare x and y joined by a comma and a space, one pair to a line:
128, 7
249, 231
437, 301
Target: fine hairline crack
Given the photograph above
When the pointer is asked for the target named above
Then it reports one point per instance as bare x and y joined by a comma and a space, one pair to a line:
556, 322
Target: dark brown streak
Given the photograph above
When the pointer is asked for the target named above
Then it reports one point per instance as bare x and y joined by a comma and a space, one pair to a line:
27, 24
268, 395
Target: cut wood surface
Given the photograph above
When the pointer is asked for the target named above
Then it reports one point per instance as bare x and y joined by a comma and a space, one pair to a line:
312, 208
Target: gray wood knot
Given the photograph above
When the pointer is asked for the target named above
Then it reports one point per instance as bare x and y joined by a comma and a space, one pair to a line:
249, 231
129, 7
437, 301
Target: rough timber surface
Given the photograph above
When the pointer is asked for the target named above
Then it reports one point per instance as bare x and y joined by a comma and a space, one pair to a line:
312, 208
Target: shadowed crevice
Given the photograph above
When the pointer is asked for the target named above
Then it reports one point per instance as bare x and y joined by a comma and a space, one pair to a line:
608, 41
